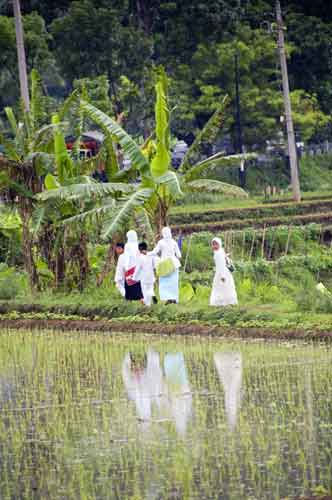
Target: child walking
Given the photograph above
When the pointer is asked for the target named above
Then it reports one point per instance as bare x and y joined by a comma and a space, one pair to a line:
145, 273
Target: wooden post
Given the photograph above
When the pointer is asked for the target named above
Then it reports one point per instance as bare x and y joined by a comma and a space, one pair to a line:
244, 244
288, 109
263, 241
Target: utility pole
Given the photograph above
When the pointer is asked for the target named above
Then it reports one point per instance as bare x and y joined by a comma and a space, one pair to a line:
288, 110
239, 142
22, 67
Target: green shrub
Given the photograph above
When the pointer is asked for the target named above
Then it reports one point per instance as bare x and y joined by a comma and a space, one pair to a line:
11, 283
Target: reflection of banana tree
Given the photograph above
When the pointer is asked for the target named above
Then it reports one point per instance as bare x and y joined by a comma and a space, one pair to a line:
157, 184
229, 368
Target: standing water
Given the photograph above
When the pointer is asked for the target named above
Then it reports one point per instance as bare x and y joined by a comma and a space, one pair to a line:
141, 417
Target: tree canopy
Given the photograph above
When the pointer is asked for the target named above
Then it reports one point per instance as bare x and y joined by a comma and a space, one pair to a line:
123, 41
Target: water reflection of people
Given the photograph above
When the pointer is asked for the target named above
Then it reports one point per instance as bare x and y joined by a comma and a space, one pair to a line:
143, 381
167, 395
229, 368
179, 393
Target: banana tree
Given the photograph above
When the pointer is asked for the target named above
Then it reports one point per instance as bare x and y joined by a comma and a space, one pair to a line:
25, 161
157, 185
70, 189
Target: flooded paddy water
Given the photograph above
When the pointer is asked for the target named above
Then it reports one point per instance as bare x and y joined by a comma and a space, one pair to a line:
95, 416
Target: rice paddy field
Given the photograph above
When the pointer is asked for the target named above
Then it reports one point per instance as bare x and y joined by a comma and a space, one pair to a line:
140, 417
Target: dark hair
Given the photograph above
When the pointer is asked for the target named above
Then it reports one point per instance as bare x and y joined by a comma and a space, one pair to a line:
142, 246
120, 245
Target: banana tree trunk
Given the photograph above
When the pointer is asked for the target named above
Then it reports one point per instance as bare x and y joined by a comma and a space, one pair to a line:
83, 262
161, 216
27, 243
110, 258
60, 268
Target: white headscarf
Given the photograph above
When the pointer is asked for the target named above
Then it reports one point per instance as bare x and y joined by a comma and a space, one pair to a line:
219, 255
166, 233
131, 250
219, 242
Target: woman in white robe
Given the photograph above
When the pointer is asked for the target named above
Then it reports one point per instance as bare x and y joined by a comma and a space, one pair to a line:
124, 276
223, 287
167, 248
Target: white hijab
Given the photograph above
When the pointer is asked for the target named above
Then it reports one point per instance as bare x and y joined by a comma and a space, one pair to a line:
166, 233
219, 255
131, 250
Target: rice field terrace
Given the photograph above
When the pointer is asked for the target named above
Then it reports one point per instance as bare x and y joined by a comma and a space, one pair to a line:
99, 416
213, 218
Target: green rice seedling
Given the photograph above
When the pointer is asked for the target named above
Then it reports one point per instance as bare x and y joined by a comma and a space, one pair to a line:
180, 417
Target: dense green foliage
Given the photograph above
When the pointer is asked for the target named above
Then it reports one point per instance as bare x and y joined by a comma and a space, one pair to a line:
124, 40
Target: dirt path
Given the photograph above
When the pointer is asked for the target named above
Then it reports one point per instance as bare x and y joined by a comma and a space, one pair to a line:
164, 329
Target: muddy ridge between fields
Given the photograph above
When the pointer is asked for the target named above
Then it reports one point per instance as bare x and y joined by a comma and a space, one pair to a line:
163, 329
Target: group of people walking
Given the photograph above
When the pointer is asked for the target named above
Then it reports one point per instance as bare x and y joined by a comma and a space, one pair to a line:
137, 270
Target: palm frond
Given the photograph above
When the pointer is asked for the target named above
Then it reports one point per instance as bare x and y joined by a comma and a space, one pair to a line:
12, 120
213, 186
171, 181
86, 191
38, 217
10, 149
215, 161
106, 208
68, 104
109, 156
44, 135
206, 136
124, 211
42, 162
162, 158
114, 130
143, 224
64, 164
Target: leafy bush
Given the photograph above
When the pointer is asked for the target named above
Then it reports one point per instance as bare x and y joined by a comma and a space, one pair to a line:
11, 283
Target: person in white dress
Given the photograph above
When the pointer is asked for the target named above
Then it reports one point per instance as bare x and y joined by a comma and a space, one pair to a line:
126, 267
119, 277
167, 248
145, 273
223, 287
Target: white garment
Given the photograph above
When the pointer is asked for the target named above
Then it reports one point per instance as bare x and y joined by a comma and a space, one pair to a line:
168, 248
131, 251
223, 287
145, 274
120, 275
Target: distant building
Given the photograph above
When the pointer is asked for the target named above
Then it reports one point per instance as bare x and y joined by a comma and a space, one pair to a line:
90, 143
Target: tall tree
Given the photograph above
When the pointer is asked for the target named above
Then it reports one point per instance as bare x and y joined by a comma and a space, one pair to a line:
22, 66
